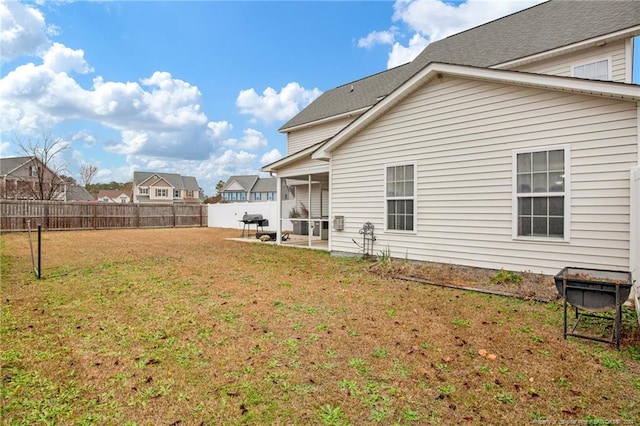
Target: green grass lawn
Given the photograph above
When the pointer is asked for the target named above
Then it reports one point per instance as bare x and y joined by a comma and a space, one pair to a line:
184, 327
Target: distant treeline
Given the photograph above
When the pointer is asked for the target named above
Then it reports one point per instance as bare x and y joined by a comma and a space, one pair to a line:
94, 188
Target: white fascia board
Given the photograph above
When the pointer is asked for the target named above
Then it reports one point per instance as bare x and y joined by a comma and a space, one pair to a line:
596, 41
324, 120
278, 164
437, 70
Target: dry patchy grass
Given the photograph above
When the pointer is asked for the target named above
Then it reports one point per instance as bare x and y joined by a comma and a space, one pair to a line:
181, 326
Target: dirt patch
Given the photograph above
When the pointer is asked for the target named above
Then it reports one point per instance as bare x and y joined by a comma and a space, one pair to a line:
526, 285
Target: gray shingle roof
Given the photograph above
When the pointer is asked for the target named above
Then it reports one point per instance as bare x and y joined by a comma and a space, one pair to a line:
176, 180
265, 185
78, 193
535, 30
8, 165
245, 181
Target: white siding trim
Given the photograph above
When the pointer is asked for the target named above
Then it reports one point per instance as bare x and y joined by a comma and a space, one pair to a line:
628, 60
567, 193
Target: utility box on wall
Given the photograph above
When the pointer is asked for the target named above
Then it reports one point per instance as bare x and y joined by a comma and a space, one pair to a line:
338, 223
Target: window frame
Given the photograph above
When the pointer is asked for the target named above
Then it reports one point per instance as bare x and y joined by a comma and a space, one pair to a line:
566, 193
162, 193
413, 198
594, 61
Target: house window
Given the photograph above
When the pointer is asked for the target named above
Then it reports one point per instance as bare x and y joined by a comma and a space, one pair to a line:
400, 197
34, 171
176, 193
257, 196
598, 70
271, 196
190, 194
144, 191
541, 193
162, 192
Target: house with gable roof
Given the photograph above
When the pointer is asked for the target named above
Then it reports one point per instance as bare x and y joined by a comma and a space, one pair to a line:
27, 178
512, 145
114, 196
249, 188
153, 187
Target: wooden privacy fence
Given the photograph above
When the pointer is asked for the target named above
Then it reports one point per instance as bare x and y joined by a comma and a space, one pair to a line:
62, 216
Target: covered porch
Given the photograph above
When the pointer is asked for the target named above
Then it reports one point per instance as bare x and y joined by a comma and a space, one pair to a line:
304, 210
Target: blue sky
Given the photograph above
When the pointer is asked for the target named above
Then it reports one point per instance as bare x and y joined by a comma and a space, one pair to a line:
197, 88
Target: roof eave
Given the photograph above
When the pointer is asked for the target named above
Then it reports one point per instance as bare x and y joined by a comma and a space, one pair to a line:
596, 41
279, 164
324, 120
436, 70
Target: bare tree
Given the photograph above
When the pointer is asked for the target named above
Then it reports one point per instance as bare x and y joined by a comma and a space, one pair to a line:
46, 171
87, 173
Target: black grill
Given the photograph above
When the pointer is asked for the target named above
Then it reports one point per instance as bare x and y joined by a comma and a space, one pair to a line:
253, 219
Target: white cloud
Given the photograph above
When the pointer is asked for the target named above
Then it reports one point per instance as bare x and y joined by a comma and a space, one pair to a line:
219, 129
160, 115
22, 30
251, 140
401, 55
377, 37
270, 157
433, 20
4, 148
83, 136
436, 19
60, 58
273, 106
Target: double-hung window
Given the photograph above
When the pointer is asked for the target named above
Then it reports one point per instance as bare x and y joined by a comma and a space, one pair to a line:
541, 193
400, 197
162, 192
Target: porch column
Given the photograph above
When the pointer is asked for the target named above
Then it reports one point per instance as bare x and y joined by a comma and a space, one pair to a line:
279, 210
309, 222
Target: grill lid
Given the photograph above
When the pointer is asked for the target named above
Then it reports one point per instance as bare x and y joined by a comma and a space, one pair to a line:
251, 218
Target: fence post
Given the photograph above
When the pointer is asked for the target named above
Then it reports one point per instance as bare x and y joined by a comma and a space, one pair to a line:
45, 219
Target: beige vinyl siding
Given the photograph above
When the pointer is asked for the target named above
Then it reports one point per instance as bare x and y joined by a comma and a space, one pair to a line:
461, 134
304, 138
303, 167
562, 66
319, 206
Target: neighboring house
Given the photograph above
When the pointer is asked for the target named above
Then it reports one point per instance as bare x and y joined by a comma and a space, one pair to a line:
114, 196
26, 178
150, 187
77, 193
512, 145
249, 188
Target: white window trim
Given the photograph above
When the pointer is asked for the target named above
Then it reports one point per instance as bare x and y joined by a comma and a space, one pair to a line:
415, 198
592, 61
567, 194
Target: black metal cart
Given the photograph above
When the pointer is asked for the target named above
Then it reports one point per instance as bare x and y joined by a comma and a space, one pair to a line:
593, 290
